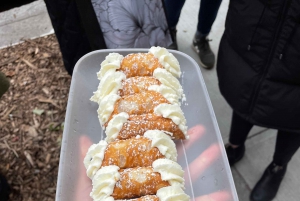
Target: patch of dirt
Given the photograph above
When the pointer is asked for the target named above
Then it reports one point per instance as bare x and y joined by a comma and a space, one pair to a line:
32, 114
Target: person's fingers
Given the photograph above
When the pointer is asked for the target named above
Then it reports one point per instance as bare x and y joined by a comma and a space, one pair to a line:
195, 133
84, 143
84, 185
202, 162
217, 196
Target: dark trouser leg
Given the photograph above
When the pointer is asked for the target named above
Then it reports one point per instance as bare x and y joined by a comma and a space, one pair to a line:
239, 130
4, 84
207, 15
287, 143
173, 9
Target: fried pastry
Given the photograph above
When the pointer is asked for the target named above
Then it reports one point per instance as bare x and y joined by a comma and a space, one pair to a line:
111, 181
144, 198
168, 193
133, 152
138, 84
140, 103
163, 82
139, 109
139, 124
139, 64
166, 117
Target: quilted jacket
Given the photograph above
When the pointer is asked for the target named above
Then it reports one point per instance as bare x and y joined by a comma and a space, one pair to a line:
259, 62
82, 26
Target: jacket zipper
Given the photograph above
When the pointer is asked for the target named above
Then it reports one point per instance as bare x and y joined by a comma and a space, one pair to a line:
260, 18
268, 62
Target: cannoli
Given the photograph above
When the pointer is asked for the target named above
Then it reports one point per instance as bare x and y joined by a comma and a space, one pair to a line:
121, 127
133, 152
169, 193
116, 183
137, 84
140, 103
139, 109
140, 64
144, 198
162, 81
166, 117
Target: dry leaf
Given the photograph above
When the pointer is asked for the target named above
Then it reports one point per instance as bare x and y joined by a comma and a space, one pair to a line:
36, 50
32, 132
10, 73
29, 64
38, 111
46, 90
48, 158
29, 158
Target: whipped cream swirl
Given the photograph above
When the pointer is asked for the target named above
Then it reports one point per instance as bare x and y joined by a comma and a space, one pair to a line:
104, 183
106, 107
94, 157
115, 125
111, 63
169, 62
163, 142
172, 193
170, 171
175, 113
111, 83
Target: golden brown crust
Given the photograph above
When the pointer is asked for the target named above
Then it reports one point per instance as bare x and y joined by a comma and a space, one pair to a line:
137, 84
139, 64
139, 124
137, 182
140, 103
144, 198
131, 153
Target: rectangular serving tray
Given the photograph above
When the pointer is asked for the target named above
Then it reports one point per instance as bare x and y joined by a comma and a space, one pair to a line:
205, 148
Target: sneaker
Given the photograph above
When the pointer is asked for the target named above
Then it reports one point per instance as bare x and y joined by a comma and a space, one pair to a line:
173, 46
234, 154
267, 187
207, 57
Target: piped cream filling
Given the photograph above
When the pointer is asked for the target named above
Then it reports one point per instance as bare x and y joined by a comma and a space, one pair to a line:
168, 80
172, 193
111, 83
104, 183
94, 157
170, 171
173, 112
111, 63
163, 142
167, 92
106, 107
167, 59
115, 125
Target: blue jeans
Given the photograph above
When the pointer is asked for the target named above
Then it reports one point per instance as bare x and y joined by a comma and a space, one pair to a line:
207, 14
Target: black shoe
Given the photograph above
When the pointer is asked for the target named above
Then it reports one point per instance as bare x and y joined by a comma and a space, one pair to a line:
173, 46
267, 187
234, 154
4, 189
207, 57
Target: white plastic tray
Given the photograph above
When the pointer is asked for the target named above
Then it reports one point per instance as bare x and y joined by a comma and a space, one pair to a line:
204, 149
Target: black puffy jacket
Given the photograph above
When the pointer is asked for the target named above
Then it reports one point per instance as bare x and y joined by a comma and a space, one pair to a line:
69, 30
259, 62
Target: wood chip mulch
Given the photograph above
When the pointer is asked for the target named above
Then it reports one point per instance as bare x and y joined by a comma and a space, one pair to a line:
32, 114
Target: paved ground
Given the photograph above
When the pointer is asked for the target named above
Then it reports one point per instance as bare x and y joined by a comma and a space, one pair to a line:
32, 21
